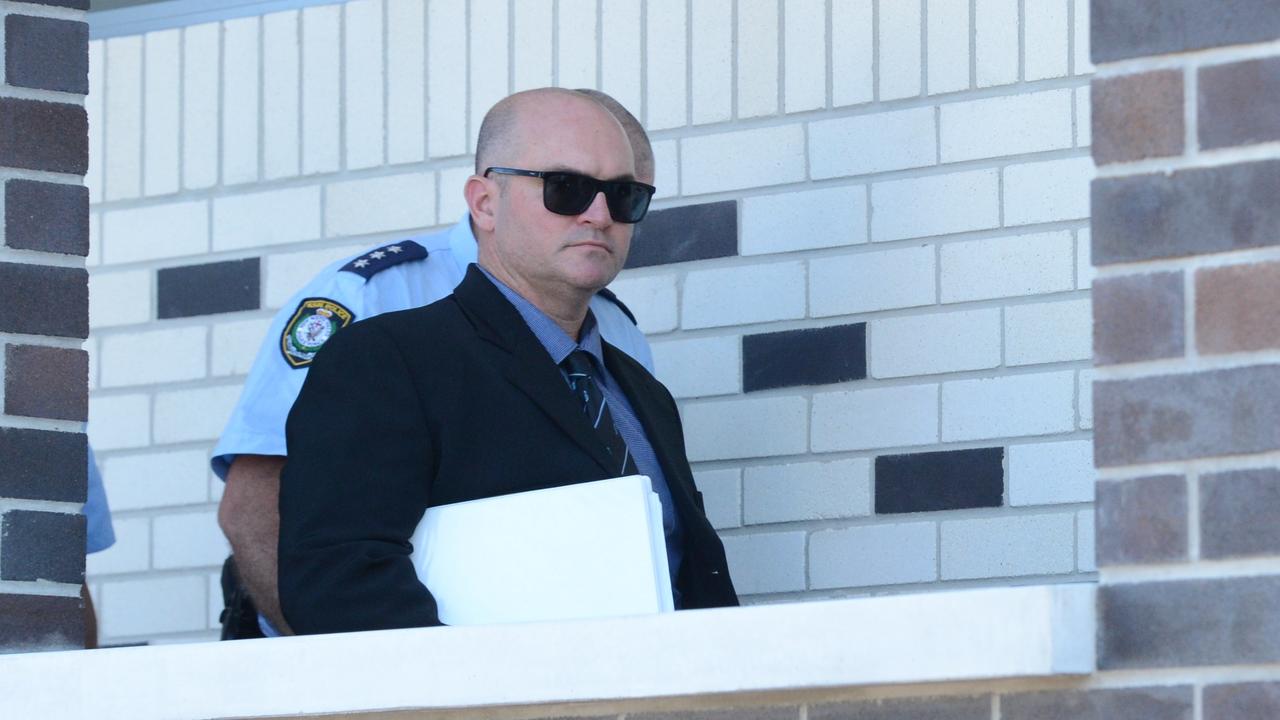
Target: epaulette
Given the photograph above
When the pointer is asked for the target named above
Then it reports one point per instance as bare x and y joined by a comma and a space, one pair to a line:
607, 294
372, 263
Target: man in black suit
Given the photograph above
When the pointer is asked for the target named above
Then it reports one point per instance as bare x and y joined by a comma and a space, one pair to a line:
471, 397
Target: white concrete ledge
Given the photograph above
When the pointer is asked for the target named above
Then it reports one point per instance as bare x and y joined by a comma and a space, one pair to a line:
972, 635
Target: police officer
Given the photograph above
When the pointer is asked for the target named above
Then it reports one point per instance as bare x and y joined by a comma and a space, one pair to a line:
250, 454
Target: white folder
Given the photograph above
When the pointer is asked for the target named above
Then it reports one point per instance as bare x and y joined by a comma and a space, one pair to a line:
588, 550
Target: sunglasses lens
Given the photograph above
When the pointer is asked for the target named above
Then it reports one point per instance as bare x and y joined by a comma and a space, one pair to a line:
628, 202
566, 193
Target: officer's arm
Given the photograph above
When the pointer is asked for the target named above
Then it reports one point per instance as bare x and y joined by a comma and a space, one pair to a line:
250, 518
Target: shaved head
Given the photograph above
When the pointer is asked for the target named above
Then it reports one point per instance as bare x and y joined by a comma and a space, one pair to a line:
640, 146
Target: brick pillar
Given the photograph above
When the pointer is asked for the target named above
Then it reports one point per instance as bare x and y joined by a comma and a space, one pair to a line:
44, 308
1186, 235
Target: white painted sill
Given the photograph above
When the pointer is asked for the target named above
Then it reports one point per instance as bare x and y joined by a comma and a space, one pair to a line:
971, 635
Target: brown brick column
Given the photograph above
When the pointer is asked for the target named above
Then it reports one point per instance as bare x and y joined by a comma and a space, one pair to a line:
43, 319
1186, 235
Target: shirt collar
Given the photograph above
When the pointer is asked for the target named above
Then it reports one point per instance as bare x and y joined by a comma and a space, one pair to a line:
557, 342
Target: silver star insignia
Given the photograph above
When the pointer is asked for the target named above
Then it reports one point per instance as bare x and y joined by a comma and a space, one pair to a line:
377, 254
360, 263
394, 249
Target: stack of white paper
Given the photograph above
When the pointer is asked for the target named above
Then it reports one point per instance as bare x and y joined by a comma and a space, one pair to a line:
589, 550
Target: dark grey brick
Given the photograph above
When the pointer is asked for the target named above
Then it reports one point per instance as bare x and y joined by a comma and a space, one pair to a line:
939, 708
42, 546
1228, 621
681, 234
43, 465
1239, 103
47, 53
1242, 701
208, 289
42, 300
1138, 317
817, 356
74, 4
49, 217
37, 135
750, 713
1148, 703
1137, 116
30, 623
1240, 514
46, 382
1143, 520
1181, 417
1135, 28
945, 480
1190, 212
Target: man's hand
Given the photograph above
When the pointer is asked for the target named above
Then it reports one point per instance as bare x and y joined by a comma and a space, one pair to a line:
250, 518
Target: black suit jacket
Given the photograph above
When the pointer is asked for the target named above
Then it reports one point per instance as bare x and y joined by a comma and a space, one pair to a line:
451, 402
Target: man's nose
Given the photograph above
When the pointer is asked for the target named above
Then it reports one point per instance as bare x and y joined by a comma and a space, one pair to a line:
598, 211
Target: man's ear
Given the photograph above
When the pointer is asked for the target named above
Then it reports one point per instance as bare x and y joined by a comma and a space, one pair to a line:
482, 199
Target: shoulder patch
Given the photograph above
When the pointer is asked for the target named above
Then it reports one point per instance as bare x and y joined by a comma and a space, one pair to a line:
312, 324
607, 294
374, 262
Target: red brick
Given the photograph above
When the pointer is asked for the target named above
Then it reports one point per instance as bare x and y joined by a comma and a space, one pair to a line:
1237, 307
1138, 317
42, 300
39, 622
1123, 29
1142, 520
1138, 116
1239, 103
46, 382
43, 465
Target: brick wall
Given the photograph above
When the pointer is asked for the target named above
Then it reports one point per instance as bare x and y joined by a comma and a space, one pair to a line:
43, 293
866, 279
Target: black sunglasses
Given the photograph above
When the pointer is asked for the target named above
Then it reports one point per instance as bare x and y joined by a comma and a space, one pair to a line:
568, 193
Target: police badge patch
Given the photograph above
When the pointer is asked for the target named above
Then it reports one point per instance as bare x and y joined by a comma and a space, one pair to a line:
315, 321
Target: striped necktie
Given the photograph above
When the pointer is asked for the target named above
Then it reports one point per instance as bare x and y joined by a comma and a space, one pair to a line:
579, 368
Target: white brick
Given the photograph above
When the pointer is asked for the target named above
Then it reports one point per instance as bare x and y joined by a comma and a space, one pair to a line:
1084, 395
131, 551
321, 44
124, 117
286, 273
757, 58
274, 217
91, 349
873, 143
162, 113
1009, 406
1086, 560
119, 421
1047, 191
156, 480
397, 202
1048, 332
199, 414
1084, 258
533, 59
155, 356
874, 555
281, 83
899, 50
406, 81
446, 44
1051, 473
700, 367
666, 100
806, 491
1007, 266
157, 231
1008, 546
122, 298
652, 299
666, 168
716, 163
620, 67
747, 427
576, 54
742, 295
240, 111
235, 345
1083, 66
453, 204
875, 418
95, 240
153, 606
804, 220
996, 42
948, 45
938, 343
1046, 39
189, 540
488, 66
200, 64
1009, 125
805, 41
712, 61
364, 79
935, 205
96, 112
766, 563
1084, 120
865, 282
852, 52
722, 494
